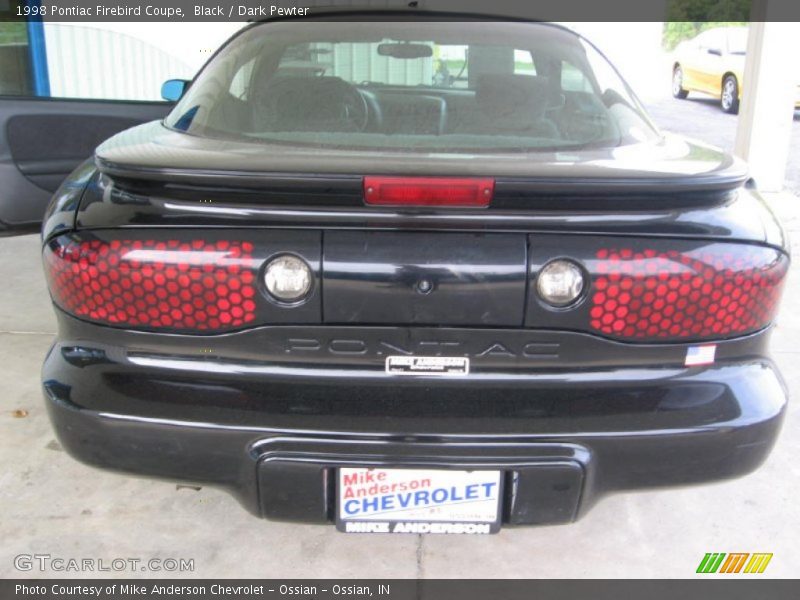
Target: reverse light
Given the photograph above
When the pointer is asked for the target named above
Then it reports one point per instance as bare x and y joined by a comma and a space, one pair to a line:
560, 283
288, 278
429, 191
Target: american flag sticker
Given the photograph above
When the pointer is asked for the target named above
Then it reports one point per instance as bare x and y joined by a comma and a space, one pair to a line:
700, 355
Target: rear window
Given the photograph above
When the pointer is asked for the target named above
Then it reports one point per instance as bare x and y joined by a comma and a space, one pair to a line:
423, 86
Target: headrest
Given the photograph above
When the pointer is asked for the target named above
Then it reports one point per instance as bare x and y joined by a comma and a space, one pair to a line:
504, 95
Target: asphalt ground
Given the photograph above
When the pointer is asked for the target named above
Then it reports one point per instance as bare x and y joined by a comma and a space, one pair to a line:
700, 117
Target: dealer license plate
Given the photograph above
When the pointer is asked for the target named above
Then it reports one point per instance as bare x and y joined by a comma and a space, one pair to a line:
418, 501
427, 365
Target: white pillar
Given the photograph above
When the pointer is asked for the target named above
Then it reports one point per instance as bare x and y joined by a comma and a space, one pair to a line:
767, 108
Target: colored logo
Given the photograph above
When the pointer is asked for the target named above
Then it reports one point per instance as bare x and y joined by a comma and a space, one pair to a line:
734, 562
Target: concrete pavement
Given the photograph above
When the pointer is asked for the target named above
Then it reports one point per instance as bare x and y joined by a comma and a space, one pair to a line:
50, 504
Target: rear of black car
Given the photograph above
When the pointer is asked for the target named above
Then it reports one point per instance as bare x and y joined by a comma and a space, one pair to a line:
497, 269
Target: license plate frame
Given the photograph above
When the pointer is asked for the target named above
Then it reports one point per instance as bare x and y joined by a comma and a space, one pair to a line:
459, 501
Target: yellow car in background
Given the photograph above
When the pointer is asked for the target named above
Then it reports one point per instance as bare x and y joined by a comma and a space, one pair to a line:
713, 63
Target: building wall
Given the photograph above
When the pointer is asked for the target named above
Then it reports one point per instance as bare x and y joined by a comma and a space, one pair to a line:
127, 61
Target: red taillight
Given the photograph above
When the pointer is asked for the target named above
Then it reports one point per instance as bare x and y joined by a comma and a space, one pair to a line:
715, 291
197, 285
429, 191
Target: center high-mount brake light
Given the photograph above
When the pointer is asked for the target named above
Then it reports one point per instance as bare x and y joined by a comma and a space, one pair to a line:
454, 192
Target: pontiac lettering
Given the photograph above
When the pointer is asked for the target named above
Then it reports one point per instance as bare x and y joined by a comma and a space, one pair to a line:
355, 346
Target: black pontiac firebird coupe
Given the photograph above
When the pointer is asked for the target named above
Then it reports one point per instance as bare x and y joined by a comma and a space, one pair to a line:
426, 277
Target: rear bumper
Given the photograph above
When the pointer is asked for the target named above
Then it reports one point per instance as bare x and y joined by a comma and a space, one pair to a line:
563, 439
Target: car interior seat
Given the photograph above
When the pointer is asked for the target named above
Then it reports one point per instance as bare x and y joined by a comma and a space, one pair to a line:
512, 104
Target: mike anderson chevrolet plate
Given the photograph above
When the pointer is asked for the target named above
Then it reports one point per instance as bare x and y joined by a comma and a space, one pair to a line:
418, 501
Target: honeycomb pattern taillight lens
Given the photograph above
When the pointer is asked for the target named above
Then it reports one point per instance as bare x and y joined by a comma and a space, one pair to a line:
716, 291
197, 285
